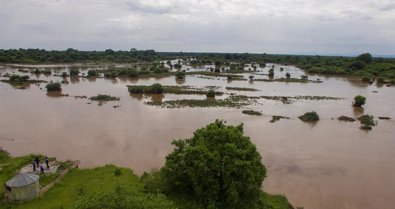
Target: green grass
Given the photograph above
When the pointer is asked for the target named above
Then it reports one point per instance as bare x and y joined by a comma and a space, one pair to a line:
102, 187
47, 178
77, 181
275, 201
9, 166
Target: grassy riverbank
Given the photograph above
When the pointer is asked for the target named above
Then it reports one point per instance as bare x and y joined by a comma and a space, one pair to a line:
86, 188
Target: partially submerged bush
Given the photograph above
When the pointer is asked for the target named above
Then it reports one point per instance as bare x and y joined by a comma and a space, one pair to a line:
180, 75
367, 120
103, 98
18, 78
211, 94
309, 117
251, 112
155, 88
277, 118
359, 101
4, 155
92, 73
346, 119
53, 87
367, 79
74, 72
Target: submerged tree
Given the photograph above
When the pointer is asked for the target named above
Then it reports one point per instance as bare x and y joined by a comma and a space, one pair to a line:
359, 101
53, 87
219, 167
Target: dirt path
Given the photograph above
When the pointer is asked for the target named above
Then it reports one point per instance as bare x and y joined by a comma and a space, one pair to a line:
60, 177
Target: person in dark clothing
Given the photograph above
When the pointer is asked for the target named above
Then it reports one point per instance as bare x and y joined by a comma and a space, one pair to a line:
37, 161
41, 168
34, 165
46, 161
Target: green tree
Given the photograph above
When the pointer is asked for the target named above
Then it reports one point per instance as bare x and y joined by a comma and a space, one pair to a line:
359, 101
74, 72
180, 75
53, 87
219, 167
366, 57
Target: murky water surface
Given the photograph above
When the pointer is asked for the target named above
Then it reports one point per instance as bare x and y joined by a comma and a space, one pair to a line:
326, 165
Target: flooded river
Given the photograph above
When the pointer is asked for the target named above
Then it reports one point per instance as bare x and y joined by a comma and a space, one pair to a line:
327, 165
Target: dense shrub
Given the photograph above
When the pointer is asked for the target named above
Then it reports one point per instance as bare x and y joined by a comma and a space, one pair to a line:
92, 73
309, 117
74, 72
53, 87
359, 101
180, 75
211, 94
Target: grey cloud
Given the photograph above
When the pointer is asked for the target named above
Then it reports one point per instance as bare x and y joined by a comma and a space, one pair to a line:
273, 26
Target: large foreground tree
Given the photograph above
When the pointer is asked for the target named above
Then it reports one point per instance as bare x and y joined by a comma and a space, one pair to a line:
219, 167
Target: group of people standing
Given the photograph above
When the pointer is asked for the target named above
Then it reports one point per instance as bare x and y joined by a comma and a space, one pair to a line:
38, 165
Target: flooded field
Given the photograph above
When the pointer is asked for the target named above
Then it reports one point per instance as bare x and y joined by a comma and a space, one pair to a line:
328, 164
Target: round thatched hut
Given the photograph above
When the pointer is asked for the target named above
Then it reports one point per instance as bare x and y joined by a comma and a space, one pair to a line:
24, 186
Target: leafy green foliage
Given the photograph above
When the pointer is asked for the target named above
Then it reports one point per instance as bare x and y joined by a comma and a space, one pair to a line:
18, 78
4, 155
180, 75
211, 94
366, 120
104, 98
218, 167
74, 72
366, 57
53, 87
359, 101
309, 117
92, 73
155, 88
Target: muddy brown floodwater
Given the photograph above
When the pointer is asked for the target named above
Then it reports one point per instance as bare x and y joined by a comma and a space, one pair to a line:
327, 165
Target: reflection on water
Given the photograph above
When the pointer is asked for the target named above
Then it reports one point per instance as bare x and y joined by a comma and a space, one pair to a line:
325, 165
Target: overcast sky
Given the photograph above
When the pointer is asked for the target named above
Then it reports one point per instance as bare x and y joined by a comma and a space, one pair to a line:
341, 27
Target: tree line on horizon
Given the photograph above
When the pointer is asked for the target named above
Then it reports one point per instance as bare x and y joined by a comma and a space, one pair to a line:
363, 65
